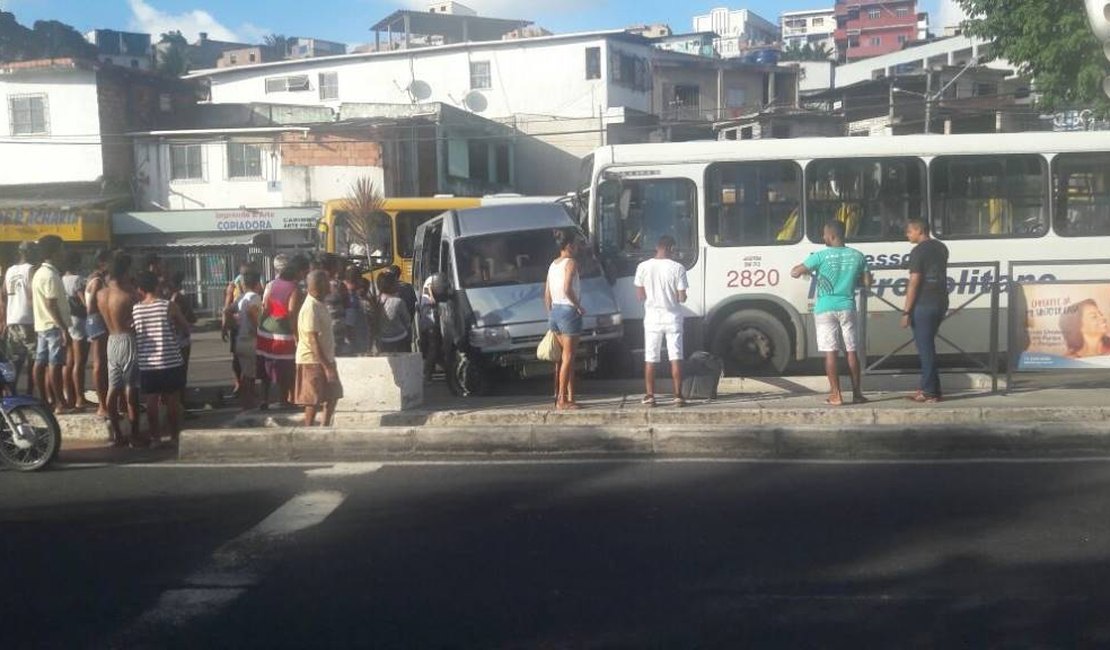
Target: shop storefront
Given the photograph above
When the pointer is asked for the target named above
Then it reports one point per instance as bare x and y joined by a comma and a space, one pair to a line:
81, 229
209, 245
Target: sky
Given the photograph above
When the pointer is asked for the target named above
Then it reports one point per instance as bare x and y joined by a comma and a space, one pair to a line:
348, 21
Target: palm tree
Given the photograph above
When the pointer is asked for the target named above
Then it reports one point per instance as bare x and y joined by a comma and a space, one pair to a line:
362, 209
807, 52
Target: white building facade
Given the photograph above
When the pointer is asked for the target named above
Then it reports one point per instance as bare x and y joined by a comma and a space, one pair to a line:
49, 125
739, 30
801, 28
957, 50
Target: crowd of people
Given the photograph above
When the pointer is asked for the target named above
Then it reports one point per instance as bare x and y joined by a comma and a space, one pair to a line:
286, 335
133, 324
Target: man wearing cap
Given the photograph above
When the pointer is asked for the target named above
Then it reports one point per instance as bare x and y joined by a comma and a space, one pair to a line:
18, 322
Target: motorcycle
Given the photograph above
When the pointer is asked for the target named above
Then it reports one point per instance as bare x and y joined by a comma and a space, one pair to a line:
30, 437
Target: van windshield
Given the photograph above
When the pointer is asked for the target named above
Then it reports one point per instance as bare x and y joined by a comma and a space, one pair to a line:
512, 258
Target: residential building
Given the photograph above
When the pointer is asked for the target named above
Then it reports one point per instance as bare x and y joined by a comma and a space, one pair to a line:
867, 28
532, 31
942, 99
271, 155
815, 28
126, 49
956, 50
406, 29
308, 48
564, 95
64, 157
249, 56
698, 44
739, 30
205, 52
657, 30
452, 8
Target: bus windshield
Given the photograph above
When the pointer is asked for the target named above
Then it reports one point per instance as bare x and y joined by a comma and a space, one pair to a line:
347, 240
407, 223
512, 258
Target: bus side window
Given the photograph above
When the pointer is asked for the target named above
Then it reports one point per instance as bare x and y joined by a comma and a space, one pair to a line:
872, 197
1082, 187
989, 196
753, 204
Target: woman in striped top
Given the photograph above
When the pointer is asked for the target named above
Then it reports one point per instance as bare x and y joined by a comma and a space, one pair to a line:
157, 324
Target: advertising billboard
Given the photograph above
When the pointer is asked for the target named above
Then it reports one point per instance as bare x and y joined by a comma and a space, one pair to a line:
1062, 325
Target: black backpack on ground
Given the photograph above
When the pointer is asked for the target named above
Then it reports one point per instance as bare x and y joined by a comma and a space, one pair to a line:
701, 376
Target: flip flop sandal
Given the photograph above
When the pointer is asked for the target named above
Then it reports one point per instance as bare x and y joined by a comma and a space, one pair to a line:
649, 400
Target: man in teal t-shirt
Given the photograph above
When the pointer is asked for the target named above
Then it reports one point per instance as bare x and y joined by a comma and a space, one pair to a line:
839, 271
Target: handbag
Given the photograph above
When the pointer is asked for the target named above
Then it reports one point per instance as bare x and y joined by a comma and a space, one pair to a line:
549, 348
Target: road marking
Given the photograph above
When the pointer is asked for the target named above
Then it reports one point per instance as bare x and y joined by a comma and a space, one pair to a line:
343, 469
231, 571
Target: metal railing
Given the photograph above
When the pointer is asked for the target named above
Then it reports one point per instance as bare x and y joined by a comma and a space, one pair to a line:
993, 294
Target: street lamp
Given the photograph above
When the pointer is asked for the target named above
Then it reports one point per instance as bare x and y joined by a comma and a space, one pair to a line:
1098, 15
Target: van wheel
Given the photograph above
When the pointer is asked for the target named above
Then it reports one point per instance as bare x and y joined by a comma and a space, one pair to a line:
752, 342
466, 377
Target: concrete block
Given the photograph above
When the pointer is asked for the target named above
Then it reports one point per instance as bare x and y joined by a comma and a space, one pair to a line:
392, 382
926, 415
714, 441
589, 439
694, 417
830, 416
230, 445
355, 444
470, 440
597, 418
816, 442
84, 426
1041, 414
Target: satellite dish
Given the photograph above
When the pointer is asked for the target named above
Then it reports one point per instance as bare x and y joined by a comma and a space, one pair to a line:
419, 90
475, 102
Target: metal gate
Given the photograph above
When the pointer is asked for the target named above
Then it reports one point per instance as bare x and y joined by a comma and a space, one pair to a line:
208, 272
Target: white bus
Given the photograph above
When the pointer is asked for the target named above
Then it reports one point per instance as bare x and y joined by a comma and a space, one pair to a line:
744, 213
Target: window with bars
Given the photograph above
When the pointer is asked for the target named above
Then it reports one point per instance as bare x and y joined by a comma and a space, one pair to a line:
29, 115
873, 14
295, 83
186, 162
244, 160
480, 76
329, 85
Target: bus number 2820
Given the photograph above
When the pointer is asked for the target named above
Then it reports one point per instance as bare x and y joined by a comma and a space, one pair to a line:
753, 278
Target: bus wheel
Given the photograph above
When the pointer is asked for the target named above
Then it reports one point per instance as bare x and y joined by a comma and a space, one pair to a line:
753, 342
466, 377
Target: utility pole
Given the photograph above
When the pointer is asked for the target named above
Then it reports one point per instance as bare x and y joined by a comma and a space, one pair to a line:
928, 99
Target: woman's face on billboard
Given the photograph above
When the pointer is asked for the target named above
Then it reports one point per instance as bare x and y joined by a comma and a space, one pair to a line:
1093, 322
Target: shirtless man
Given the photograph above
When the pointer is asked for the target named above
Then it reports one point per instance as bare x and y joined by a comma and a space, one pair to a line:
115, 302
97, 332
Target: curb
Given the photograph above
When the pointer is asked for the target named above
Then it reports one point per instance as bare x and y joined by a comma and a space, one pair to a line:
756, 415
878, 442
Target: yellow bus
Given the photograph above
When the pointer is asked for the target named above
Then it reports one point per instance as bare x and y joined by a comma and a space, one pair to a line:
396, 226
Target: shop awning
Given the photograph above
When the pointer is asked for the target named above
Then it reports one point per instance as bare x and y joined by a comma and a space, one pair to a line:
191, 240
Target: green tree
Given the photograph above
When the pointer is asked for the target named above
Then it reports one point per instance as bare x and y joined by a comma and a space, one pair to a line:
57, 40
15, 39
807, 52
278, 43
172, 54
1049, 41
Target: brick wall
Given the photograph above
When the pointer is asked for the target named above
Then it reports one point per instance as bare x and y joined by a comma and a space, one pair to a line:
330, 150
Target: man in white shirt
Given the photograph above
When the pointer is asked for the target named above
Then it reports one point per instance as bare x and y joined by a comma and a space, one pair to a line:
661, 285
18, 324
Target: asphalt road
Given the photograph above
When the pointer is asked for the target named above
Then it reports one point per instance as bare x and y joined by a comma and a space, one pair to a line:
558, 555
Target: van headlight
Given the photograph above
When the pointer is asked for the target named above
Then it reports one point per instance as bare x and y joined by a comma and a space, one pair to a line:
609, 320
489, 337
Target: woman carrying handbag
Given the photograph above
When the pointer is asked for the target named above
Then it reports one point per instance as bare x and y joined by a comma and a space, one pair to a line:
562, 298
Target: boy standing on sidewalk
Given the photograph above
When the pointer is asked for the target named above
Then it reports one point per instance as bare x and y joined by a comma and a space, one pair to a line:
158, 324
839, 270
317, 379
661, 285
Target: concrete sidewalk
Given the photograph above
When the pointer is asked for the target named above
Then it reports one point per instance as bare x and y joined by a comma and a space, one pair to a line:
773, 423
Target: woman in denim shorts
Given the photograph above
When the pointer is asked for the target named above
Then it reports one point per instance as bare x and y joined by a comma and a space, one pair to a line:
562, 297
